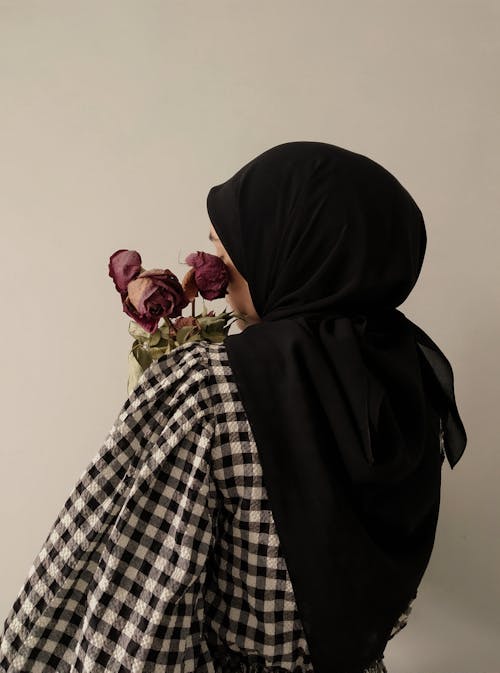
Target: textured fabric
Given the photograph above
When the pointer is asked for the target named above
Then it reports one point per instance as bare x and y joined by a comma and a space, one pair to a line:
344, 394
165, 556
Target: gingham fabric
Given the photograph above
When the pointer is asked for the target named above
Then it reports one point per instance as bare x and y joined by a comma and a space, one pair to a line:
165, 556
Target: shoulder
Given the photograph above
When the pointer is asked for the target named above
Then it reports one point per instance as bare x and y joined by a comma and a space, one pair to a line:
202, 359
204, 369
190, 373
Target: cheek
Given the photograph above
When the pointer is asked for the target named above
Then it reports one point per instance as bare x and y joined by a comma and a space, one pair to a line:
237, 298
232, 280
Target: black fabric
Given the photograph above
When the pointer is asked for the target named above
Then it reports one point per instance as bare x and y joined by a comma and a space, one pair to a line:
344, 394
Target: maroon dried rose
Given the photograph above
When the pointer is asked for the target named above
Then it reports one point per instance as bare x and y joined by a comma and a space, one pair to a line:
189, 285
149, 324
209, 276
187, 321
123, 267
154, 294
184, 321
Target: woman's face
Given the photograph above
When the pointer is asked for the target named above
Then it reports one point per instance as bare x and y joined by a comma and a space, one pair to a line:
238, 293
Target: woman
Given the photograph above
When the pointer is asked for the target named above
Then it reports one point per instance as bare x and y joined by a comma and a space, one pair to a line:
268, 503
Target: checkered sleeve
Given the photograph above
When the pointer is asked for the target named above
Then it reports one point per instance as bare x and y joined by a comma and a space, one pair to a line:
117, 584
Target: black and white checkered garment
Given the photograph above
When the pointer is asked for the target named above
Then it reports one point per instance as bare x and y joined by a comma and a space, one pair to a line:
165, 556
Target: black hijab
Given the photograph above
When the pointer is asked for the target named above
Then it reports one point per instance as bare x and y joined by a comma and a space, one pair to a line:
345, 395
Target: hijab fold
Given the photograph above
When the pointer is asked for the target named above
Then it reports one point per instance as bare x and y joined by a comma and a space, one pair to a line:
351, 404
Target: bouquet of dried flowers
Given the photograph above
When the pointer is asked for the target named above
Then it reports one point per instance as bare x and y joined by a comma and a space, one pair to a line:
149, 296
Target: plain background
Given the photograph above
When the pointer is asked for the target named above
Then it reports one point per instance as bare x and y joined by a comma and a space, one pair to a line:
117, 117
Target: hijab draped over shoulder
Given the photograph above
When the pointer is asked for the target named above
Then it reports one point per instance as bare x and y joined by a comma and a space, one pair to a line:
347, 398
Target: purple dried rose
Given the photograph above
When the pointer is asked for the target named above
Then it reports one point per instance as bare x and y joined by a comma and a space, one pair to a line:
209, 276
184, 321
153, 295
147, 296
124, 266
189, 321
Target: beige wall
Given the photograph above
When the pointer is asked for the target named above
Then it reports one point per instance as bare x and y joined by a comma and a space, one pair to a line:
116, 117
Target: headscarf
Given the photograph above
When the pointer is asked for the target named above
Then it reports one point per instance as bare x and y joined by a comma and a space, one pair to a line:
351, 404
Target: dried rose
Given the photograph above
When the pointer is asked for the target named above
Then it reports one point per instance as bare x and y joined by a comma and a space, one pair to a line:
186, 325
209, 276
154, 294
150, 324
183, 321
124, 266
189, 285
